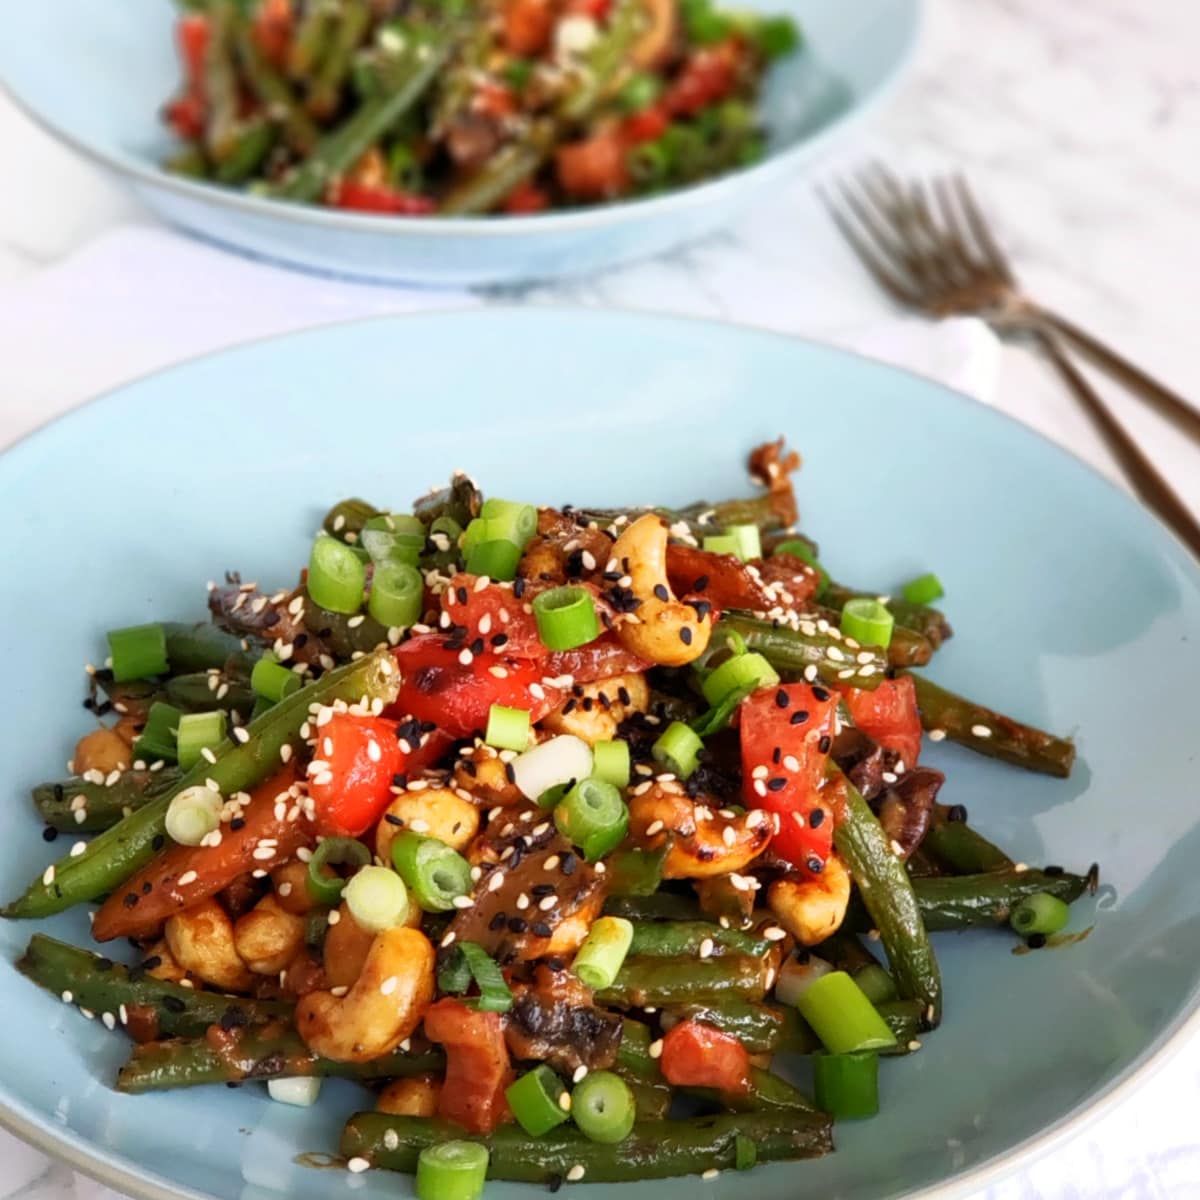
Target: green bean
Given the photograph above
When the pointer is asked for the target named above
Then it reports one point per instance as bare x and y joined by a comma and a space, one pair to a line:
103, 805
654, 1150
678, 939
656, 982
275, 93
969, 901
809, 648
125, 848
960, 848
991, 733
351, 23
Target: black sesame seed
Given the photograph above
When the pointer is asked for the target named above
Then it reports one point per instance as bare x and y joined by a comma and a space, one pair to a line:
542, 889
392, 819
956, 812
1036, 941
782, 699
541, 929
150, 964
824, 744
816, 818
700, 584
776, 754
147, 888
555, 963
569, 707
49, 833
476, 646
300, 641
777, 784
567, 865
237, 823
173, 1004
499, 639
271, 617
623, 695
820, 693
1052, 870
158, 842
588, 704
497, 922
685, 635
461, 593
815, 865
554, 1184
519, 588
131, 899
517, 924
510, 773
58, 792
799, 716
661, 592
605, 702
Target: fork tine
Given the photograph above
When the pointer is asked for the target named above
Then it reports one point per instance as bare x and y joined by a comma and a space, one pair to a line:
905, 210
994, 256
867, 256
951, 254
890, 241
895, 215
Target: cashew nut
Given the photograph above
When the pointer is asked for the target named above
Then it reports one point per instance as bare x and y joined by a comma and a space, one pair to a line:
812, 909
594, 720
102, 750
655, 44
436, 812
201, 941
704, 842
268, 936
383, 1007
414, 1097
290, 882
661, 629
165, 967
484, 774
347, 944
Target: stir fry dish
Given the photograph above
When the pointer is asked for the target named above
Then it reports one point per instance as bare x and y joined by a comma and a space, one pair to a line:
559, 830
414, 107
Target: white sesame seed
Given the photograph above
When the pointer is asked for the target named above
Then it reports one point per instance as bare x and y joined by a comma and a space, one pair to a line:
706, 948
564, 1101
522, 901
551, 863
207, 755
496, 881
78, 848
391, 1139
463, 902
600, 868
48, 876
373, 751
914, 1044
87, 1012
576, 1173
546, 903
110, 1022
67, 997
774, 934
580, 1073
334, 917
656, 1049
448, 939
728, 836
711, 1173
357, 1165
937, 735
981, 731
186, 878
419, 826
653, 828
389, 985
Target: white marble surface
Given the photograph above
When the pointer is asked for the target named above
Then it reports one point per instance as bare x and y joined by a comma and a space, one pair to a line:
1079, 122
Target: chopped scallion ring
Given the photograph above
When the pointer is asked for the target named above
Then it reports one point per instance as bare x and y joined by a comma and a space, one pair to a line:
507, 728
138, 652
397, 594
867, 621
272, 681
336, 576
678, 749
377, 898
925, 589
199, 732
748, 541
566, 618
451, 1171
193, 814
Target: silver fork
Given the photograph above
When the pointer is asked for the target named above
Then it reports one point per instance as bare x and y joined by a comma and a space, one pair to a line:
931, 249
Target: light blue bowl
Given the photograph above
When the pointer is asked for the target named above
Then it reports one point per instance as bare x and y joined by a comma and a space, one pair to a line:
1073, 609
96, 74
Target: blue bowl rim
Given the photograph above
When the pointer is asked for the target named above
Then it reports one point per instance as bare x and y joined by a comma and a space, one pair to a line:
97, 1162
597, 217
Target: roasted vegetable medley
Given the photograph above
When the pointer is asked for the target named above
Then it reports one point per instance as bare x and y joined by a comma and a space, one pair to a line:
414, 107
557, 829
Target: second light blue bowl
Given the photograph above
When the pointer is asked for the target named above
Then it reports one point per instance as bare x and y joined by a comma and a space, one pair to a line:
96, 73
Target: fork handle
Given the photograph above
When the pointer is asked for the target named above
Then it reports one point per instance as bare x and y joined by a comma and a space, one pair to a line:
1155, 492
1123, 371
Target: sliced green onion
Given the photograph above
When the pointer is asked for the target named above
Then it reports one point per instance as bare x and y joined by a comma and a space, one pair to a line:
494, 995
876, 983
436, 873
448, 526
377, 898
721, 543
336, 576
394, 537
451, 1171
868, 622
496, 558
842, 1017
137, 652
397, 594
199, 732
594, 817
157, 739
566, 618
741, 675
610, 762
550, 764
1040, 913
925, 589
639, 92
518, 521
507, 728
273, 681
603, 951
538, 1100
847, 1085
748, 539
603, 1107
678, 749
336, 851
797, 975
193, 814
454, 976
800, 549
745, 1152
301, 1092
